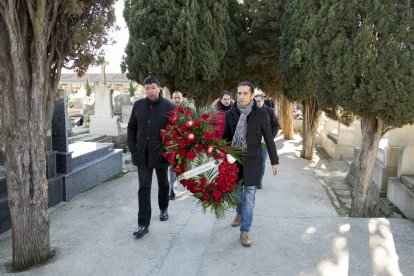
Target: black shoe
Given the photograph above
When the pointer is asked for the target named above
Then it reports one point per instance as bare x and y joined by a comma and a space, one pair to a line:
163, 215
172, 195
142, 230
259, 186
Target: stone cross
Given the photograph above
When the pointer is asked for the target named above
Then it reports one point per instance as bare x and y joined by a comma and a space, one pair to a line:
103, 64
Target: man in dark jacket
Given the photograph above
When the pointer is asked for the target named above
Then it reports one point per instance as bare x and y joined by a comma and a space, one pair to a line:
274, 128
245, 125
148, 117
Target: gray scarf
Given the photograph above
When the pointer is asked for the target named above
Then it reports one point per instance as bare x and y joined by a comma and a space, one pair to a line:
239, 138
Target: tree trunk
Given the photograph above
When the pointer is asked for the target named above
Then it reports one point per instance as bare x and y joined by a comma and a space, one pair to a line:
372, 130
30, 72
286, 119
310, 124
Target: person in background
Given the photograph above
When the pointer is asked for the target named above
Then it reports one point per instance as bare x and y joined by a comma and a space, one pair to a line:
149, 115
245, 125
268, 102
217, 113
178, 100
274, 128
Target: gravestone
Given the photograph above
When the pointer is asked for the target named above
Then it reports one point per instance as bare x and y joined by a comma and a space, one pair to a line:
103, 123
120, 101
126, 113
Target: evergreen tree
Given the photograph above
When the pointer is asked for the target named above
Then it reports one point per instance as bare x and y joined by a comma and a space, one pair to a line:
363, 56
261, 54
131, 89
88, 88
295, 67
43, 36
182, 42
262, 48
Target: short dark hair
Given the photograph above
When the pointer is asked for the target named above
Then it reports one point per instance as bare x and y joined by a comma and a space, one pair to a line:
151, 79
246, 83
224, 93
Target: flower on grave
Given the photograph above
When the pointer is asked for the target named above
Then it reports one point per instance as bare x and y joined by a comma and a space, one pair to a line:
188, 142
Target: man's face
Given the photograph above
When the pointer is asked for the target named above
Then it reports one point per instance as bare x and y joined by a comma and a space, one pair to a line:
153, 91
259, 101
226, 100
177, 98
244, 95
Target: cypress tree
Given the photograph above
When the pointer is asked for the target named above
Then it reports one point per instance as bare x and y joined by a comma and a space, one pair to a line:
295, 66
181, 42
363, 53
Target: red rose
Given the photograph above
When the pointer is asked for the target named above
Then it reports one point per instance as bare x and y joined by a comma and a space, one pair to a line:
197, 123
180, 109
173, 119
208, 136
168, 143
222, 154
189, 113
205, 116
165, 154
168, 127
182, 144
175, 136
210, 149
184, 128
190, 137
189, 123
182, 152
217, 195
199, 148
172, 112
190, 155
177, 170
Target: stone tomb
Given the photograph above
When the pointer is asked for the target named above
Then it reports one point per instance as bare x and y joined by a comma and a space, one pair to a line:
386, 162
338, 140
400, 190
83, 164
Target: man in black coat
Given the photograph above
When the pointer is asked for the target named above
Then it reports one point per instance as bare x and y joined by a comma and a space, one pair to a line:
245, 125
274, 128
148, 117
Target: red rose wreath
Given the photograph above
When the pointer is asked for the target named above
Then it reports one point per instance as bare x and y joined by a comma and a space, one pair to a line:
190, 146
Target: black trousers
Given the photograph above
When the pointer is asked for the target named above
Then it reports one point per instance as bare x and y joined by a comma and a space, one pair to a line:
144, 193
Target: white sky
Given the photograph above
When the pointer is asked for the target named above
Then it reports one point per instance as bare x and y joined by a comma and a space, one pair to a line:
113, 53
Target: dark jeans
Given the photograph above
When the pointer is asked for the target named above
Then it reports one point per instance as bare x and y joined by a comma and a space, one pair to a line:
144, 193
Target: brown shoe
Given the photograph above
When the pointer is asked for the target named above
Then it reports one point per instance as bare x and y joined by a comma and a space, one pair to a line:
244, 239
237, 220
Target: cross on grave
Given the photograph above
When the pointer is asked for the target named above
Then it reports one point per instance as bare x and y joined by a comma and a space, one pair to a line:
102, 77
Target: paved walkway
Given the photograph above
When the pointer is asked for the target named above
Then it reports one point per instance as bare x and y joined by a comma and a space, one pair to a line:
296, 231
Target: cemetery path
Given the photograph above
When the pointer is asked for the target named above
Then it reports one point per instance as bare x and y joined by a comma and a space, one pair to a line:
296, 231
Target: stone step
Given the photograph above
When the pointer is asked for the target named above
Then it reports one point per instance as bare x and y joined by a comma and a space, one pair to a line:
408, 180
401, 196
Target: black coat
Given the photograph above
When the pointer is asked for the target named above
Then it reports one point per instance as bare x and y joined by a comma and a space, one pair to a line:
144, 140
274, 122
257, 127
